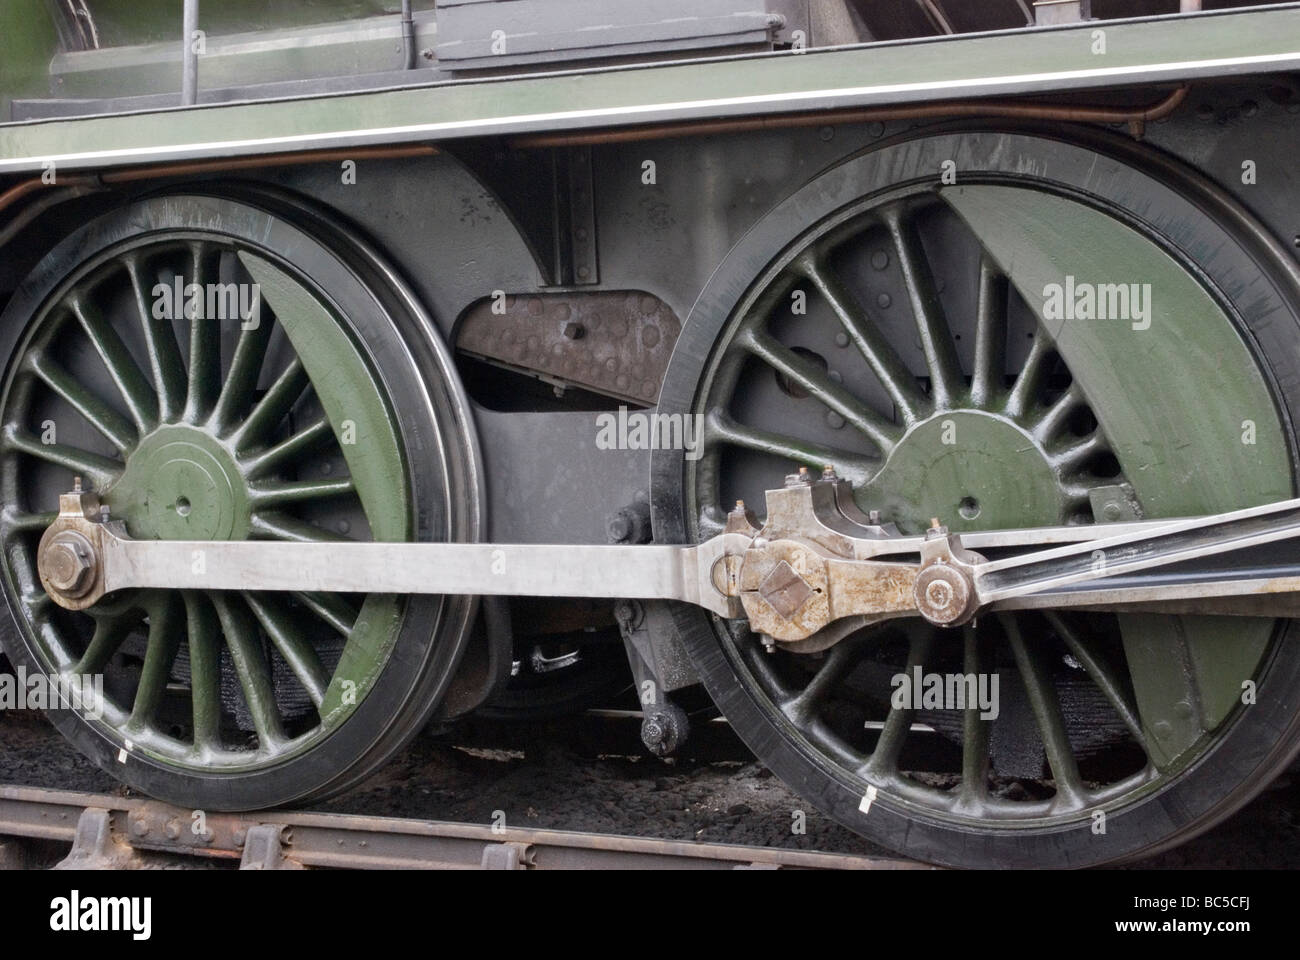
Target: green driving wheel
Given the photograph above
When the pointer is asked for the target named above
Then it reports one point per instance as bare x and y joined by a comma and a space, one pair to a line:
915, 336
208, 386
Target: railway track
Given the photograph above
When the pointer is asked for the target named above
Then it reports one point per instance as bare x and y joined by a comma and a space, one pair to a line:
107, 832
584, 803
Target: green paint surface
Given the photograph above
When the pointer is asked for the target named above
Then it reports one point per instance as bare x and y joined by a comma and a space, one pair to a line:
997, 468
617, 96
27, 43
1172, 398
364, 426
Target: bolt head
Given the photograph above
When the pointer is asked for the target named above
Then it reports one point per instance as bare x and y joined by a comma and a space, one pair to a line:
939, 593
660, 733
619, 527
653, 730
944, 595
68, 563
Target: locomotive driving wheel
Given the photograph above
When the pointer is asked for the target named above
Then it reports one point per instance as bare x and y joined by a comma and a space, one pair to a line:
933, 342
213, 371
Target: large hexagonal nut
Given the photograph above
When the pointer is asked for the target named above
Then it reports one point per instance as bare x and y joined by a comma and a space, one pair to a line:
68, 563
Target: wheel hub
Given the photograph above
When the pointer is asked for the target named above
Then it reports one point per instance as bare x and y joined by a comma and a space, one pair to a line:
976, 470
182, 484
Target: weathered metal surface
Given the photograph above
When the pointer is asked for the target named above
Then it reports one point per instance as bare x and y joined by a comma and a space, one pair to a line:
1049, 13
95, 845
278, 53
116, 561
582, 218
476, 35
1224, 44
614, 342
361, 842
785, 589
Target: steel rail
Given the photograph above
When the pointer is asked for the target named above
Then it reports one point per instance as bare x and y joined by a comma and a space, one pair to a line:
108, 832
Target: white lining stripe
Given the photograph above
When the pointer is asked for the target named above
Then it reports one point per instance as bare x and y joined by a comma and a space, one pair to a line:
686, 107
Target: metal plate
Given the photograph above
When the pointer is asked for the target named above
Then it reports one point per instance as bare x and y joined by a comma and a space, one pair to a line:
613, 342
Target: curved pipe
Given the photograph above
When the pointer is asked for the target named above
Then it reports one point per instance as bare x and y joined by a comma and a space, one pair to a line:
1135, 117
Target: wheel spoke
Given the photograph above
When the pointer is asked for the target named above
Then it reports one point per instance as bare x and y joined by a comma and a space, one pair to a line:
723, 429
244, 642
1077, 454
112, 425
1047, 713
975, 729
331, 608
17, 522
1102, 674
936, 340
291, 449
99, 471
104, 642
883, 763
204, 631
274, 406
840, 661
990, 335
165, 360
1056, 416
281, 526
205, 344
279, 494
137, 394
297, 652
1029, 382
785, 361
163, 643
245, 369
879, 353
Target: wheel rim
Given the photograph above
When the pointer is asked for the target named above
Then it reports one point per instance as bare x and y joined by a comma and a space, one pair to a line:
1049, 449
292, 438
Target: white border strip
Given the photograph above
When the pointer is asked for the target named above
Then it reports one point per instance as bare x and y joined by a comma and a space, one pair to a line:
687, 109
